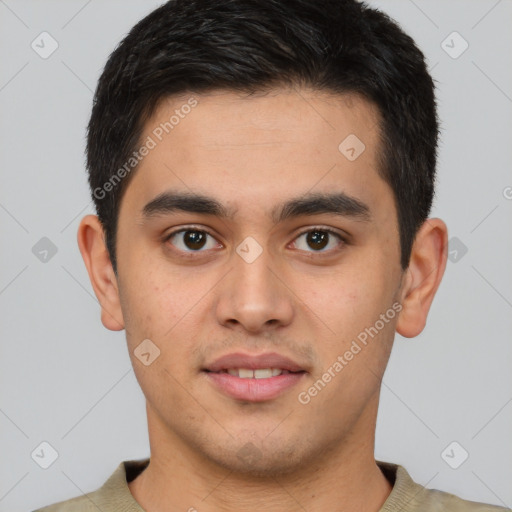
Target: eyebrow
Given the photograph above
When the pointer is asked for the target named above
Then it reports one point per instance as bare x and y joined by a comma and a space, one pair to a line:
310, 204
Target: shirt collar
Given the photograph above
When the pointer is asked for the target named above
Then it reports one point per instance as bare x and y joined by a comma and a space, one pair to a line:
116, 490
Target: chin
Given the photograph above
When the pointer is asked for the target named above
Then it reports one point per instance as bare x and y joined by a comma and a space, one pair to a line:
253, 460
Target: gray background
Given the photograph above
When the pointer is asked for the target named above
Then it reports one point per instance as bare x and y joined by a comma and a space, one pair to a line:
68, 381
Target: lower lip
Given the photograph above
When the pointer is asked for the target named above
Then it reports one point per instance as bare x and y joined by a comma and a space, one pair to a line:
254, 390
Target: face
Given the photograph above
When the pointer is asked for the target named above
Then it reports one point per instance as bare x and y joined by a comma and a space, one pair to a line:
273, 297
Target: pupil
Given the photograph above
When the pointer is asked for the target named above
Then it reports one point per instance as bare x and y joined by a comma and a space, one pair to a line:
317, 239
194, 239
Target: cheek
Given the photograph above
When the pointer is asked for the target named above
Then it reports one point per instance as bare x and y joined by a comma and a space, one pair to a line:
165, 310
154, 301
345, 296
158, 313
344, 304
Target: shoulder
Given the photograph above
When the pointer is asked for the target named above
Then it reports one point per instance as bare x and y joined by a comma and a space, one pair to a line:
78, 504
113, 496
408, 496
444, 501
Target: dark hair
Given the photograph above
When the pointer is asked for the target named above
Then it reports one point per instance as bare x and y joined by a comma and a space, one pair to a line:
335, 46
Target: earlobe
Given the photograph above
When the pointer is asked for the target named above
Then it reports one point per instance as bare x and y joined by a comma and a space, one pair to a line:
423, 276
101, 274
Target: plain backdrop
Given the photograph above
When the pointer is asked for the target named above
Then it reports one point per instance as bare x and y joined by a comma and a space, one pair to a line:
67, 381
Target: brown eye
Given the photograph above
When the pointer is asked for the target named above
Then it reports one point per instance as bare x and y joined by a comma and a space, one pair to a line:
191, 240
194, 239
317, 240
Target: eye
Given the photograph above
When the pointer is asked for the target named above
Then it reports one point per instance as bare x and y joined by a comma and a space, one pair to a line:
192, 240
318, 239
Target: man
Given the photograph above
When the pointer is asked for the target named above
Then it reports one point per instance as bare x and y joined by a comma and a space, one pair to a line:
263, 172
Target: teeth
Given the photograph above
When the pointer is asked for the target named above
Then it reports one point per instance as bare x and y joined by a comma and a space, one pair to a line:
259, 373
266, 373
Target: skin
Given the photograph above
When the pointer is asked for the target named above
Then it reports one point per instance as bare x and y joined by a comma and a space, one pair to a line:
252, 153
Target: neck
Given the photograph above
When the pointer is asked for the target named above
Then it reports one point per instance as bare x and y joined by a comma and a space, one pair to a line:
344, 477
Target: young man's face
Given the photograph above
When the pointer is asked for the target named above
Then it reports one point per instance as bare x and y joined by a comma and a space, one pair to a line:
255, 284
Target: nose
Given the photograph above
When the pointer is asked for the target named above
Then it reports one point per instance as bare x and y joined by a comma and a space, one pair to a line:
253, 296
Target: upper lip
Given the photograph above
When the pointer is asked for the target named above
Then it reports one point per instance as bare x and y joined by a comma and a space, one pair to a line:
252, 362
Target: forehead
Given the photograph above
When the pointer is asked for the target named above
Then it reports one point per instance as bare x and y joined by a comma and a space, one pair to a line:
270, 117
257, 148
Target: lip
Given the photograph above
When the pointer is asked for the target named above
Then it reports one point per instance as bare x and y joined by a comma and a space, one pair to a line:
253, 390
267, 360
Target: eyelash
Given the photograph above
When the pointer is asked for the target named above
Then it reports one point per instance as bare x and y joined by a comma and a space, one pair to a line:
342, 239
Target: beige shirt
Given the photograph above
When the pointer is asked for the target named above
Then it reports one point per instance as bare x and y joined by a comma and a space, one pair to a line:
407, 496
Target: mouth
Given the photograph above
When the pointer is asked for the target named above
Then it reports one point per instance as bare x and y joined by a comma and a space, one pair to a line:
254, 378
257, 373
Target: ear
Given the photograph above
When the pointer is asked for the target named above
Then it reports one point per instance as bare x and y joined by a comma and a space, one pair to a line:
91, 242
423, 276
